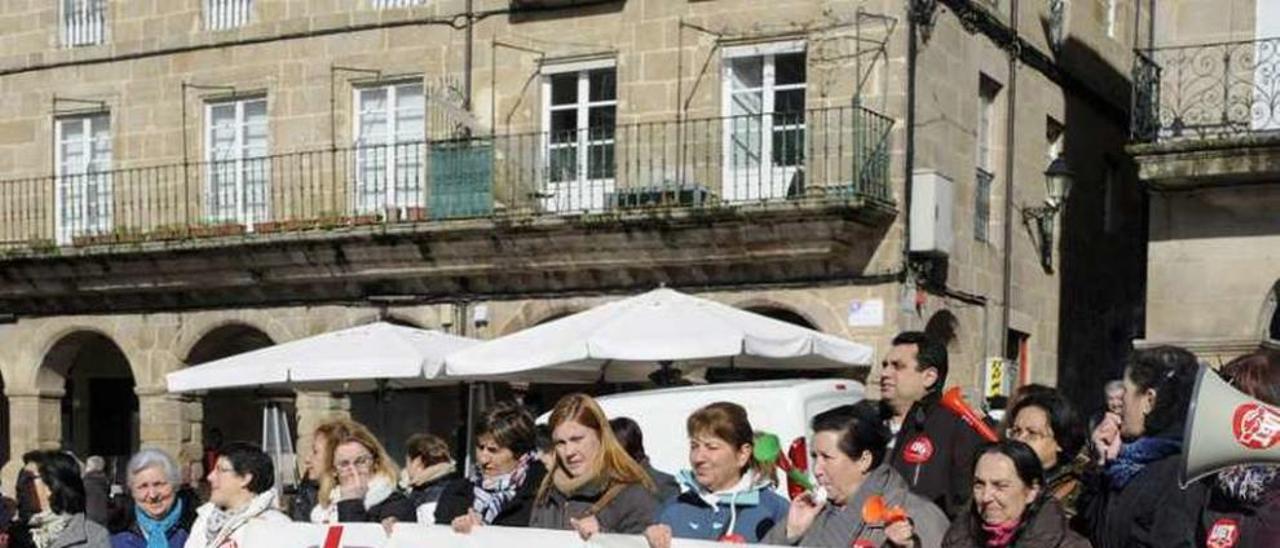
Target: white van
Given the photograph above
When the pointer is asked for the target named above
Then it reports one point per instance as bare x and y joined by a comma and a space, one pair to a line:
781, 407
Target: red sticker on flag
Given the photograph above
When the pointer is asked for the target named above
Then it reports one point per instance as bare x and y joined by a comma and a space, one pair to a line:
918, 451
334, 537
1224, 534
1256, 426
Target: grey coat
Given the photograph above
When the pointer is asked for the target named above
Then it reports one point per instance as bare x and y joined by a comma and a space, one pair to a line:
82, 533
841, 526
630, 512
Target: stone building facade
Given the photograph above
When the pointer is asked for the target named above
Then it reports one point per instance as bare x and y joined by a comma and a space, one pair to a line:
184, 180
1207, 150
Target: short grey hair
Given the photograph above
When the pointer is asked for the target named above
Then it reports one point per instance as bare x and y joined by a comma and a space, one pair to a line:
154, 458
1113, 386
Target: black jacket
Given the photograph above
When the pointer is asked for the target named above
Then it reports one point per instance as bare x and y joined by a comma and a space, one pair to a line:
97, 492
430, 491
458, 497
1150, 511
629, 512
946, 476
306, 497
1255, 526
396, 505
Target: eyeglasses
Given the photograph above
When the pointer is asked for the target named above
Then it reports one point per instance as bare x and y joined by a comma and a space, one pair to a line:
1021, 434
363, 461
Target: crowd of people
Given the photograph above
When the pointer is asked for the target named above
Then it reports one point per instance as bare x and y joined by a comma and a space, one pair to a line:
900, 471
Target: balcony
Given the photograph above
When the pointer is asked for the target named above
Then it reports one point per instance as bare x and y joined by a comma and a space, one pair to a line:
775, 197
1207, 114
836, 155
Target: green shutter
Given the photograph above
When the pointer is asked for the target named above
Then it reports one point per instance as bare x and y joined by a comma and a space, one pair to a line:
461, 179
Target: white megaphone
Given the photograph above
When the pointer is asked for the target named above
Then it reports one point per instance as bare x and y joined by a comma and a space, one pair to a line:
1226, 427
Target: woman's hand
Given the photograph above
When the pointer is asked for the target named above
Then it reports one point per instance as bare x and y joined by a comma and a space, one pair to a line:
1106, 438
658, 535
389, 523
901, 533
353, 486
801, 515
586, 527
466, 522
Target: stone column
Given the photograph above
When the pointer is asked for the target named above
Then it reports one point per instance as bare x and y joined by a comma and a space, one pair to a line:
315, 408
35, 422
171, 422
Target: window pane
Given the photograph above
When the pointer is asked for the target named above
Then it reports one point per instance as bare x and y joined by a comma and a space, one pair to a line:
410, 124
563, 163
564, 88
603, 84
564, 126
601, 123
600, 161
789, 68
791, 100
746, 73
744, 103
788, 146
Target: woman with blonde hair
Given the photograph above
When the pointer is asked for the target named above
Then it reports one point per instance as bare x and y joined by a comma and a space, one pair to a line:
359, 483
595, 486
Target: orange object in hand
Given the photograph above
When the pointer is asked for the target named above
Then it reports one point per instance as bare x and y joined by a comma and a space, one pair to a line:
874, 512
733, 538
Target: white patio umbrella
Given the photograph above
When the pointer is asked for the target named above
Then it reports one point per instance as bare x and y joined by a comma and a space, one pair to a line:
361, 358
626, 340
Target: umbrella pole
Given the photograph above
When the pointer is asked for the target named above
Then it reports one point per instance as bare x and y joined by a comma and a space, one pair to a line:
470, 425
381, 395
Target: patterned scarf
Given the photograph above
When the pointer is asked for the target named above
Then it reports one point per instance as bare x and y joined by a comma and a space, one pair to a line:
156, 531
46, 526
219, 520
492, 494
1000, 534
1134, 458
1248, 483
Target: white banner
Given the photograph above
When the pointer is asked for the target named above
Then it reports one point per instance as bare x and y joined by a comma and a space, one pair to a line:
413, 535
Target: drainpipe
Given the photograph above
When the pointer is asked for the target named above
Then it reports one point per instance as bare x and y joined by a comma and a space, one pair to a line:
909, 154
1010, 125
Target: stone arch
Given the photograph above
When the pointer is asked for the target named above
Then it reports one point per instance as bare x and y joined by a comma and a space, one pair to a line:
95, 381
233, 414
534, 313
790, 310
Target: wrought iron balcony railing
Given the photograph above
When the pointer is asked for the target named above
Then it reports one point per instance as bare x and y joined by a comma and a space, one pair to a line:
1206, 91
829, 153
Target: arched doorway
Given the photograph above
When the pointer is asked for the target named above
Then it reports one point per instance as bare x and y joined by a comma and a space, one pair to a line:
782, 315
235, 415
99, 412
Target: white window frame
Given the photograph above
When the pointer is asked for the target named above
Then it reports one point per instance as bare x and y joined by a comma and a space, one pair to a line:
227, 14
581, 193
396, 154
82, 22
765, 181
240, 163
82, 179
988, 99
1113, 9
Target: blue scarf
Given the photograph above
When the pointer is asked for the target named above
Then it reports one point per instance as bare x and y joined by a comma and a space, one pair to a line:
1134, 457
157, 531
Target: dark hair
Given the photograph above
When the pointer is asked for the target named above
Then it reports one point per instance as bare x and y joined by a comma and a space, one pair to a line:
61, 473
1068, 431
542, 438
1256, 374
860, 427
247, 459
729, 422
510, 426
629, 435
930, 353
1171, 372
431, 450
1029, 469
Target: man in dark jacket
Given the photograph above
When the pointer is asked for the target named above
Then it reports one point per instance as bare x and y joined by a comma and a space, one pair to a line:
97, 490
932, 447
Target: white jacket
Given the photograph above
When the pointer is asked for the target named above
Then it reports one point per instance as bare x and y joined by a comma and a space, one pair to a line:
261, 508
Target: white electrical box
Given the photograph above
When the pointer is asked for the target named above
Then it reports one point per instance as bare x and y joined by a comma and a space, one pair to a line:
932, 207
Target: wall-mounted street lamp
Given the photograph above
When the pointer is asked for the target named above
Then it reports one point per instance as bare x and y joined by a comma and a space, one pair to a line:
1058, 179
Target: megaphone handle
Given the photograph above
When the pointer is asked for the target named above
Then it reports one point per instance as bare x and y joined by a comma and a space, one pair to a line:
915, 478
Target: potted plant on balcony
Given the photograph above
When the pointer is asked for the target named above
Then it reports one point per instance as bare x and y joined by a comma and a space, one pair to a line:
217, 229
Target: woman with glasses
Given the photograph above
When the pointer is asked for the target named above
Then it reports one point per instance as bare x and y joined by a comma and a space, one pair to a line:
500, 489
1049, 424
59, 494
361, 487
240, 494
